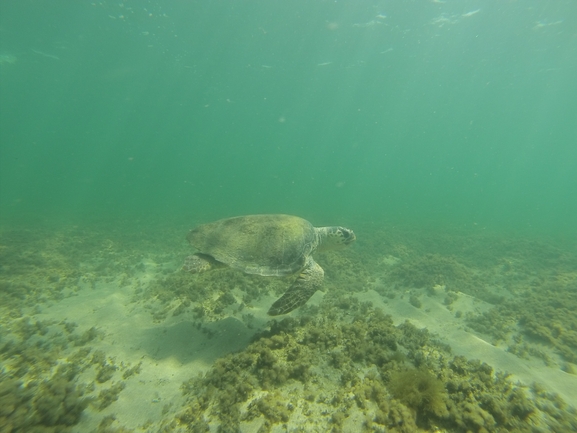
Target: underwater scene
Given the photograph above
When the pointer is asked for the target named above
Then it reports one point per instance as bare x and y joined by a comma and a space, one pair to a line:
273, 216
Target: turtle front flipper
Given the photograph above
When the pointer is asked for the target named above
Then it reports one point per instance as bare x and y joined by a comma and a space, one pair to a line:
308, 282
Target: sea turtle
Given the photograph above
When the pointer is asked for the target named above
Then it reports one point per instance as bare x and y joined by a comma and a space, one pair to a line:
268, 245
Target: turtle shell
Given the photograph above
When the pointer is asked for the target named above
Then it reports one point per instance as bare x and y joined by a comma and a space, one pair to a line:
257, 244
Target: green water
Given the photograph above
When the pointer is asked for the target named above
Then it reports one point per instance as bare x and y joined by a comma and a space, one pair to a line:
443, 132
446, 113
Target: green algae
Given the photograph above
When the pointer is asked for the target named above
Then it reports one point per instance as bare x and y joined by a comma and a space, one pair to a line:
337, 366
424, 388
419, 390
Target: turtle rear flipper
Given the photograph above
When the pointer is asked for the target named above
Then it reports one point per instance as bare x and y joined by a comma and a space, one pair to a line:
308, 282
197, 263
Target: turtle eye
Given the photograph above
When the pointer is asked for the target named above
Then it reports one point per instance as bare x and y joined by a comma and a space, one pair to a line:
348, 235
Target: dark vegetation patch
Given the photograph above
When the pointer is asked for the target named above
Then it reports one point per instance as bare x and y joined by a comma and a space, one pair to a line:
397, 378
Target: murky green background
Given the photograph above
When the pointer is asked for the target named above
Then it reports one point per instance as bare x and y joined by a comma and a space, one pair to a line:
463, 112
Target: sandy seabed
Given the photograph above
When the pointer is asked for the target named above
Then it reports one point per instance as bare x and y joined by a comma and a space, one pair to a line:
100, 331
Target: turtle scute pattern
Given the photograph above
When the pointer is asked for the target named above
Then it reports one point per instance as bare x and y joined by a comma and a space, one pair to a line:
268, 245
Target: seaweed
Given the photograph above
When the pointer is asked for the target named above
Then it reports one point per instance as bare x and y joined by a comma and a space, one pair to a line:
419, 390
109, 395
53, 405
352, 359
431, 270
341, 364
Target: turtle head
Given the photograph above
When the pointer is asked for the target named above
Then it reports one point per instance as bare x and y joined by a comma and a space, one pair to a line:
335, 237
